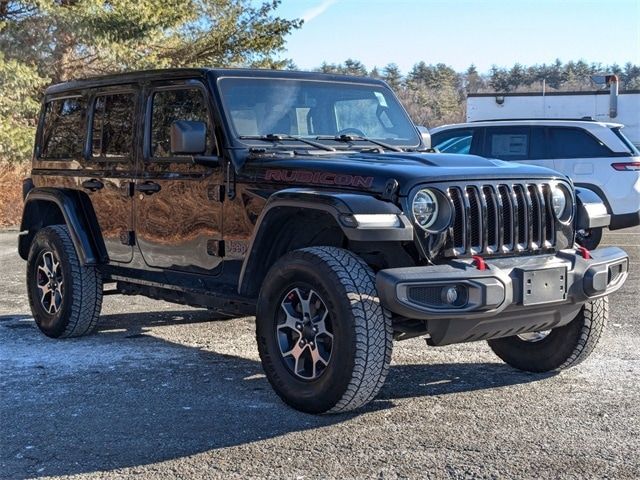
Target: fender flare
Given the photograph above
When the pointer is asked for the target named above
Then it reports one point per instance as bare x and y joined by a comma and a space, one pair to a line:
591, 211
74, 211
342, 206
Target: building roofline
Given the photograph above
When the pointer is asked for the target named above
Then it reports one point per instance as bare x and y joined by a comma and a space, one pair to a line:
550, 94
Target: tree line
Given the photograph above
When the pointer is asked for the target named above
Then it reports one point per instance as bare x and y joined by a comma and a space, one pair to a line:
43, 42
436, 94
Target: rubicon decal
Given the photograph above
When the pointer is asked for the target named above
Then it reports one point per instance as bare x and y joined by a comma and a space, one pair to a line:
318, 178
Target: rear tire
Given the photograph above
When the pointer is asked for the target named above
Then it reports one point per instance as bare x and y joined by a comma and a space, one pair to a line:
65, 296
323, 289
562, 348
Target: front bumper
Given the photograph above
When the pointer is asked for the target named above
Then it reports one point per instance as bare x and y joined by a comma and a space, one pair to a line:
511, 296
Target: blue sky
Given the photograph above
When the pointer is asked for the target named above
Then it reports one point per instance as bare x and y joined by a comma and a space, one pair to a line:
462, 32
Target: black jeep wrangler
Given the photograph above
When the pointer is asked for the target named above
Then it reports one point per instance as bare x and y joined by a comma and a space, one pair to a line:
313, 202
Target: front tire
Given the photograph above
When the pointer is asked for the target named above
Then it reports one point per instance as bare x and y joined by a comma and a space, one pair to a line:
324, 340
560, 348
65, 296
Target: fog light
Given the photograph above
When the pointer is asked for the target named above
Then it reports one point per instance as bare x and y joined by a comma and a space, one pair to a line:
450, 295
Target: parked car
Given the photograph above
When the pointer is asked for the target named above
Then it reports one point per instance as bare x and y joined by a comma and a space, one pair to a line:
310, 201
595, 155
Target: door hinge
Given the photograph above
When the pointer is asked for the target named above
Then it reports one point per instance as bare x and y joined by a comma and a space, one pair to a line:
215, 248
231, 184
128, 237
215, 193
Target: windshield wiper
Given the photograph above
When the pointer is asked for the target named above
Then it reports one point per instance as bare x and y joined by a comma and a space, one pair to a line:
359, 138
278, 137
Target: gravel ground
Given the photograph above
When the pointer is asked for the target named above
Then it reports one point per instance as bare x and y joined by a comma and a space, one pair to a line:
165, 391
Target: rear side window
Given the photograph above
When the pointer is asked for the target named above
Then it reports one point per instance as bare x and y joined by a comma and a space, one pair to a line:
514, 143
113, 125
507, 143
574, 143
632, 148
63, 131
169, 106
453, 141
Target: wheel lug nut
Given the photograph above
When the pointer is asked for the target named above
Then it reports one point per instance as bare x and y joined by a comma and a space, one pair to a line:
298, 326
315, 329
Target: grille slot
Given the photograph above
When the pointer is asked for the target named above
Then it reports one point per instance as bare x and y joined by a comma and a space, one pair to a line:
550, 226
458, 229
522, 215
501, 219
507, 217
536, 216
475, 219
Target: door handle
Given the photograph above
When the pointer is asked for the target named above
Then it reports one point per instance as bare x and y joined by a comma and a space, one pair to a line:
92, 184
148, 188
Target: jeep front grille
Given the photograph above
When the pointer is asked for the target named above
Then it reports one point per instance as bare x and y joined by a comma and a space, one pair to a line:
501, 219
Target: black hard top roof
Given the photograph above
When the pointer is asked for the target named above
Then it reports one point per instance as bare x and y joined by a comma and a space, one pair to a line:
179, 73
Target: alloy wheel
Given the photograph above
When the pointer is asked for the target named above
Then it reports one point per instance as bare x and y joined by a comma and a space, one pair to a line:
50, 282
304, 333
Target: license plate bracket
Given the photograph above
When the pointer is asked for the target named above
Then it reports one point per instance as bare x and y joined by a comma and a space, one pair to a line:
546, 285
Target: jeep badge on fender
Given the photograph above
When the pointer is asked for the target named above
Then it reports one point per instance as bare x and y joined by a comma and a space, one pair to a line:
312, 202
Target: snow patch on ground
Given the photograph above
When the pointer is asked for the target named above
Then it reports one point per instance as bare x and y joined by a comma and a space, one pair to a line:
105, 349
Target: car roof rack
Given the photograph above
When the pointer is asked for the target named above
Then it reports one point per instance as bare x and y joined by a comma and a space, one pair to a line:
581, 119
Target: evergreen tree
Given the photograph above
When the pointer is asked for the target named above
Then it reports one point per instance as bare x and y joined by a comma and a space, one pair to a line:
19, 87
50, 41
391, 74
473, 80
71, 38
354, 67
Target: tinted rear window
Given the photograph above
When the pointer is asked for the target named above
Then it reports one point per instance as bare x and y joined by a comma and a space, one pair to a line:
112, 128
63, 132
574, 143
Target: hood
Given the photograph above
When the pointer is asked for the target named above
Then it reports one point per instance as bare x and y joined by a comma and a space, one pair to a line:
371, 171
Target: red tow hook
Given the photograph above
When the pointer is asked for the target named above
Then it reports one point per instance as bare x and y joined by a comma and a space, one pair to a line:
479, 262
586, 254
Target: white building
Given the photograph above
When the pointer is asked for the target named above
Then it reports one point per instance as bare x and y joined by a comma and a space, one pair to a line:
602, 105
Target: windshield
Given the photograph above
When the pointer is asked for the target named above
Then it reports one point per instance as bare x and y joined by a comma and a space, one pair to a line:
312, 109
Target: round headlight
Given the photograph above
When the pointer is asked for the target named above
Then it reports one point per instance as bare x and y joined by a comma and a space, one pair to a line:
561, 202
425, 208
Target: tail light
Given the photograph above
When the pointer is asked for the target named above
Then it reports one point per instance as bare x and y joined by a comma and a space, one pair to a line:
626, 166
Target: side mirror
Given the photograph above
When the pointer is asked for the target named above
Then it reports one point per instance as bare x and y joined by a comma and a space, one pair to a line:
188, 137
426, 136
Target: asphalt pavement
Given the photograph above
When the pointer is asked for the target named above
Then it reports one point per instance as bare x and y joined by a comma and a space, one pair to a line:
166, 391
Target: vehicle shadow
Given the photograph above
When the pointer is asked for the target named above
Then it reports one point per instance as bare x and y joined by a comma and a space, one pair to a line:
143, 400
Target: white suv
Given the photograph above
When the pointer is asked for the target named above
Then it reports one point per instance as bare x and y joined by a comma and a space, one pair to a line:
595, 155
